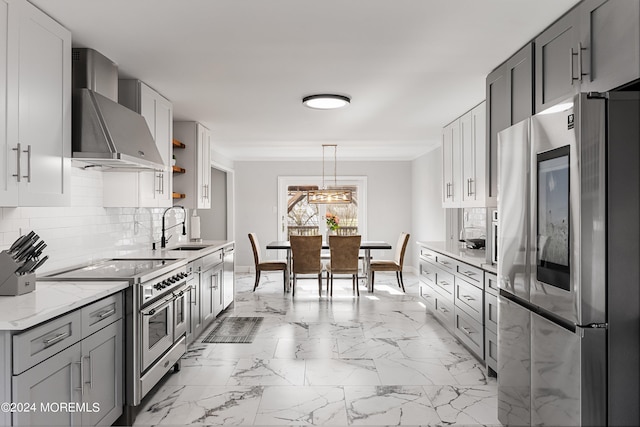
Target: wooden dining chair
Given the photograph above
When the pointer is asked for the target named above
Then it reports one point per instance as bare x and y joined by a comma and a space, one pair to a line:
392, 265
345, 252
305, 251
266, 265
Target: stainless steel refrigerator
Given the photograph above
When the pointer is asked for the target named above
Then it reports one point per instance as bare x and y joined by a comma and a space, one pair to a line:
569, 264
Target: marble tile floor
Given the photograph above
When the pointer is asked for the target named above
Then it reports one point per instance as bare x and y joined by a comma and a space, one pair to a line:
377, 360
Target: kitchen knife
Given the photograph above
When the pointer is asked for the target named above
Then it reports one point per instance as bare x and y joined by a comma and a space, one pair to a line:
29, 248
27, 266
21, 240
26, 250
39, 263
22, 247
38, 250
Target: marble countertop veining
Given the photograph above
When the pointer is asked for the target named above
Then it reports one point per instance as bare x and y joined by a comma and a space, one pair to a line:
210, 246
51, 299
475, 257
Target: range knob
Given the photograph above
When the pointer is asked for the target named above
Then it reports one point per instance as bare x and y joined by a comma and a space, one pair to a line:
157, 286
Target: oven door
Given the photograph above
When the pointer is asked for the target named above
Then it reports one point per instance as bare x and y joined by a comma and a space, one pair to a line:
180, 312
156, 322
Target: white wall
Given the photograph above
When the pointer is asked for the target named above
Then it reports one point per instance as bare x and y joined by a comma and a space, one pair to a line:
428, 216
85, 231
389, 199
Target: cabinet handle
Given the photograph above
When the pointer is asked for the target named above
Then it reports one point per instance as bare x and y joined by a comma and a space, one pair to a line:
55, 339
90, 382
106, 313
468, 297
469, 273
571, 55
81, 363
444, 310
580, 50
443, 283
28, 175
467, 331
18, 151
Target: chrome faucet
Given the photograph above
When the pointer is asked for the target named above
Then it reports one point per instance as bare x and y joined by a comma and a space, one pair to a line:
163, 242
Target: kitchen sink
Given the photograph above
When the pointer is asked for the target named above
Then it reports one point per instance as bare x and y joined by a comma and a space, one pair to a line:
187, 248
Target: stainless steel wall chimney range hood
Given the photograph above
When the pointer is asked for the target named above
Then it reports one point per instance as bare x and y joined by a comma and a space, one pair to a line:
105, 133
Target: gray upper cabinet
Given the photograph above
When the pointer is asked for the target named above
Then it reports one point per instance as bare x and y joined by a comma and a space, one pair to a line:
594, 47
610, 31
556, 60
509, 100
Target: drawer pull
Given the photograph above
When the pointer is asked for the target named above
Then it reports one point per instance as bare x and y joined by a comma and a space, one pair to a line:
469, 273
466, 331
107, 313
81, 363
468, 297
443, 283
444, 263
55, 339
444, 310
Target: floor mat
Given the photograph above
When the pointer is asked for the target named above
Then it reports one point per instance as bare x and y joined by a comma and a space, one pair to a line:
234, 330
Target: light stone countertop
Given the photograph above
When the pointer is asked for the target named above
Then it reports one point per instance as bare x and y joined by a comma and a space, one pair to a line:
475, 257
210, 246
51, 299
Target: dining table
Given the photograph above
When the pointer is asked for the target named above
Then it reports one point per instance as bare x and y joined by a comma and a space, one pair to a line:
366, 245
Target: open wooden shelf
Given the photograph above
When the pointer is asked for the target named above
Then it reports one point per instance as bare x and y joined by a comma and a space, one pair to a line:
178, 144
178, 169
179, 195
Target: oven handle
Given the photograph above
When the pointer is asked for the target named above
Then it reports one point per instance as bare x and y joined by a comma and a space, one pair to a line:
150, 311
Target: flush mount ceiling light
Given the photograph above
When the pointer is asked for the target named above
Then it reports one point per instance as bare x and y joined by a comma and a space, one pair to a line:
326, 101
331, 195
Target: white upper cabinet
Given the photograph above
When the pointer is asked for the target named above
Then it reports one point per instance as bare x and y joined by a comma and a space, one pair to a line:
35, 111
464, 155
192, 185
451, 182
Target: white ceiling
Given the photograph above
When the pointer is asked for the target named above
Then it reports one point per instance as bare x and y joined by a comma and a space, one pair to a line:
241, 67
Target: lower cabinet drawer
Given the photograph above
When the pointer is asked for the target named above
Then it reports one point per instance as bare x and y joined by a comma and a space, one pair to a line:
469, 298
101, 313
427, 273
491, 312
428, 296
37, 344
445, 283
470, 332
491, 283
444, 311
491, 349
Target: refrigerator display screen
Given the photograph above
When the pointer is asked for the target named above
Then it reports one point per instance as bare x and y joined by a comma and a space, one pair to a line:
553, 218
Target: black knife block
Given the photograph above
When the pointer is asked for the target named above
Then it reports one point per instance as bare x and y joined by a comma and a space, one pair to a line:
11, 283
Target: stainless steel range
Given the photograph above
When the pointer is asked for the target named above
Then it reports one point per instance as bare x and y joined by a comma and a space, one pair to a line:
156, 307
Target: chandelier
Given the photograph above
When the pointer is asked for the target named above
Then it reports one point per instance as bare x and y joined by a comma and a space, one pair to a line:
333, 194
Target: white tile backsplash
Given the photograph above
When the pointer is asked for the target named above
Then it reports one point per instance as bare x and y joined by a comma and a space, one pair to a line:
86, 231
